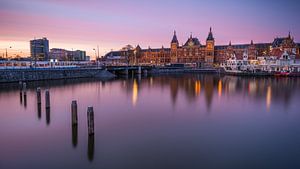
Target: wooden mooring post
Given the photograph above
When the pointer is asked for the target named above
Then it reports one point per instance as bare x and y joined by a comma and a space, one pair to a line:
90, 118
21, 93
38, 96
74, 112
24, 88
20, 86
47, 99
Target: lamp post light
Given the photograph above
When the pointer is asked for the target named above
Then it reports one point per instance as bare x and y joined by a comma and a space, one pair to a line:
6, 52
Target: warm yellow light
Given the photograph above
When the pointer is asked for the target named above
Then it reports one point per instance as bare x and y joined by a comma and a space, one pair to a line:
220, 88
197, 87
269, 98
134, 92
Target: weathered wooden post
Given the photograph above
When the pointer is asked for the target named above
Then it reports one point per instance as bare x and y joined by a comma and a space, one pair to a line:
90, 117
74, 112
24, 89
47, 99
21, 93
38, 95
20, 86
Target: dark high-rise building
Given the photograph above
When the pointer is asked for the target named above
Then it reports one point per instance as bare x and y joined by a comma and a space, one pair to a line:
39, 49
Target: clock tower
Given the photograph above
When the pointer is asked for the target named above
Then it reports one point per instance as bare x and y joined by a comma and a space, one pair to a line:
210, 48
174, 47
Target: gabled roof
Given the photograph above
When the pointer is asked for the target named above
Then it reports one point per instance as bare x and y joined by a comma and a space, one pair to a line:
277, 42
195, 41
138, 47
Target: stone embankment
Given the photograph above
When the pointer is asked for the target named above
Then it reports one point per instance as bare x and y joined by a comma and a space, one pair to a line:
16, 75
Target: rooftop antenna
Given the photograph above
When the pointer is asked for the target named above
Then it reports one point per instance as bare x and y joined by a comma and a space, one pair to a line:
34, 52
98, 51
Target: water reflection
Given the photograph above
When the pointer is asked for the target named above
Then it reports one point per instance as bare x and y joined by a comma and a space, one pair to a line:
264, 89
48, 116
39, 110
269, 98
91, 147
220, 88
135, 91
21, 97
74, 135
25, 100
145, 134
197, 87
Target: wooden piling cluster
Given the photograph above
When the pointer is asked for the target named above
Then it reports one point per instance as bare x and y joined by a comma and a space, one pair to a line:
90, 117
74, 116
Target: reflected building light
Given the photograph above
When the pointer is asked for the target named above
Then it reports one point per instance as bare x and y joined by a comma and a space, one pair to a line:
252, 87
220, 87
151, 81
134, 92
197, 88
269, 98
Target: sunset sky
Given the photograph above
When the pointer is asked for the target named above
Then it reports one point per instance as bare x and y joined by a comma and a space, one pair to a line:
112, 24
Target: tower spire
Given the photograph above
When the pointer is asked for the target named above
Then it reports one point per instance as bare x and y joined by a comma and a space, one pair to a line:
210, 35
174, 39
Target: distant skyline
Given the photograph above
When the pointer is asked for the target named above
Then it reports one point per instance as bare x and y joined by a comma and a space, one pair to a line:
113, 24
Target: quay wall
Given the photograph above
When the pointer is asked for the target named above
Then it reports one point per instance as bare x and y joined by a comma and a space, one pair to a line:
16, 75
181, 70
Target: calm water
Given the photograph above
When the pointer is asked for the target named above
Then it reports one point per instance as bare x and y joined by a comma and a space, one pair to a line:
183, 121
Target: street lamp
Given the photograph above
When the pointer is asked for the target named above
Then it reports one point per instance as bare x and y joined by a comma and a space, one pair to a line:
6, 52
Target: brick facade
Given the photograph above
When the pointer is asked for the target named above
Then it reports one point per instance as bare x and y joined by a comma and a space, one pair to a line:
206, 54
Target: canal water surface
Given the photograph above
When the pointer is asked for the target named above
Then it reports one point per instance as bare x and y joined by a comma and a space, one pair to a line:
173, 121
